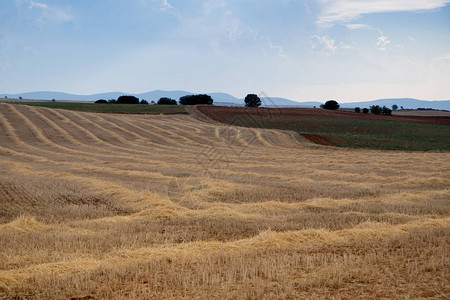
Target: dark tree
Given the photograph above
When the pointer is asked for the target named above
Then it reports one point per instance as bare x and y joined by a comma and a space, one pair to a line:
167, 101
386, 111
252, 100
143, 102
375, 109
357, 109
20, 98
394, 107
196, 99
365, 110
127, 100
101, 101
331, 104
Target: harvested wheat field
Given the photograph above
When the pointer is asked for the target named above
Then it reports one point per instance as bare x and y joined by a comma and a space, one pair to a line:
100, 206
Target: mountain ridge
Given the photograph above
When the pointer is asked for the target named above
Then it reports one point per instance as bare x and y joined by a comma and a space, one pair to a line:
229, 100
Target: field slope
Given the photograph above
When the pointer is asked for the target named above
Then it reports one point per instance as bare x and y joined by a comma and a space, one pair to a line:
101, 206
344, 128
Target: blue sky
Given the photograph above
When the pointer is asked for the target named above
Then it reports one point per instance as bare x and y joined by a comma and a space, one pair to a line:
298, 49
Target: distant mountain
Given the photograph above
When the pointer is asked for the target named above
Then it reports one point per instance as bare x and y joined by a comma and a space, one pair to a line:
407, 103
276, 101
156, 95
149, 96
229, 100
63, 96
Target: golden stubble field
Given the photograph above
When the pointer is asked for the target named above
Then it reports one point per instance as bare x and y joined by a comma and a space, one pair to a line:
98, 206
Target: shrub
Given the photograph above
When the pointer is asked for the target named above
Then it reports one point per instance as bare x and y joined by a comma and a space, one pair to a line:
112, 101
252, 100
375, 109
196, 99
143, 102
386, 111
365, 110
357, 109
101, 101
167, 101
127, 100
331, 104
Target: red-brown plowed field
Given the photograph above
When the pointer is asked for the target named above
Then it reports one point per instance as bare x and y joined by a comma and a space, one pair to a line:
217, 112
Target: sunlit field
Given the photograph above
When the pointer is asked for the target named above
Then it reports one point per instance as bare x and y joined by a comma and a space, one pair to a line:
109, 108
121, 206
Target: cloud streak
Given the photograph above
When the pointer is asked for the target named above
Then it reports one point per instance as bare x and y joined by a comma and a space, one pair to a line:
346, 10
46, 13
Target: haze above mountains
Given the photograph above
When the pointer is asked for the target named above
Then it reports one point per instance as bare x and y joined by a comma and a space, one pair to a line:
229, 100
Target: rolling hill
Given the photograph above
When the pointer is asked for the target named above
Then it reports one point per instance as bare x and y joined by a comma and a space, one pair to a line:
101, 206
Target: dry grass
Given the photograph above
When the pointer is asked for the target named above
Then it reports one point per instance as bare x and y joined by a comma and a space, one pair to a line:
139, 207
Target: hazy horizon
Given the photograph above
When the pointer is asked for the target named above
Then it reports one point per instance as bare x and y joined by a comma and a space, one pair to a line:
210, 92
357, 50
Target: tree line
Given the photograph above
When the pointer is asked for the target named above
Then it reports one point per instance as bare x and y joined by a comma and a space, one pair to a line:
374, 109
251, 100
185, 100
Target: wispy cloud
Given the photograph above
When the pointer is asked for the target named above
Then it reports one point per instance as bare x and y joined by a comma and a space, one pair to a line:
46, 13
220, 28
37, 4
166, 6
382, 42
326, 45
159, 5
347, 10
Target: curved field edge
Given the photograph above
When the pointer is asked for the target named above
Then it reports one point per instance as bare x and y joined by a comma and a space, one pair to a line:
343, 128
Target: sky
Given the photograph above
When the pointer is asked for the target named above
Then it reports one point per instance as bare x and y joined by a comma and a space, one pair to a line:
304, 50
